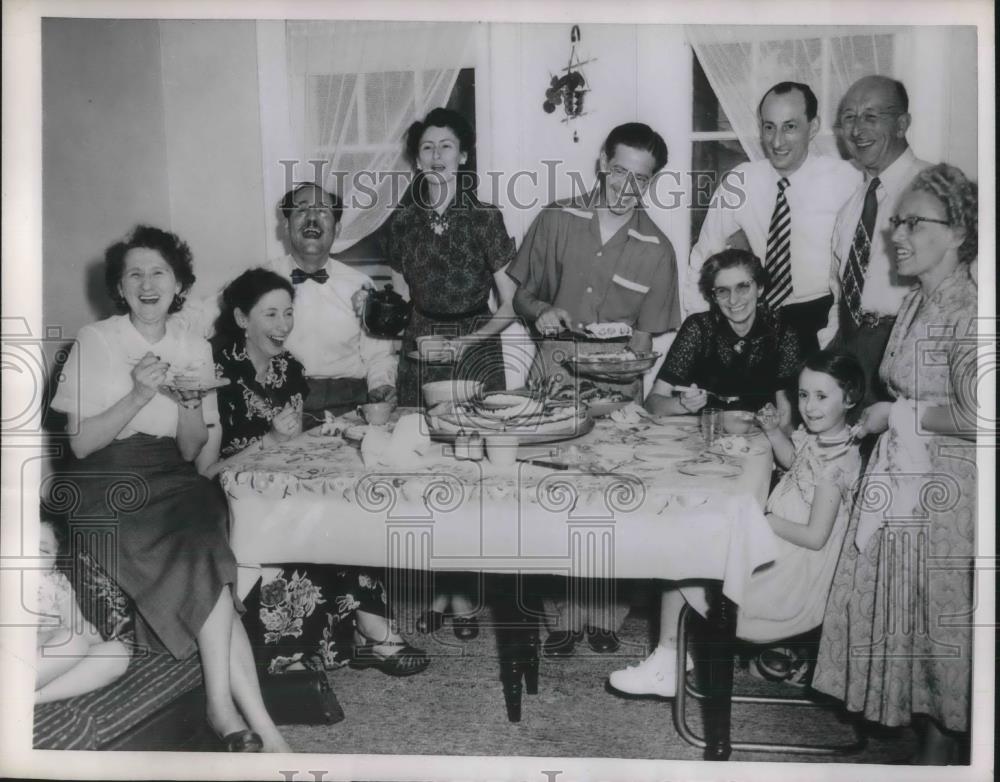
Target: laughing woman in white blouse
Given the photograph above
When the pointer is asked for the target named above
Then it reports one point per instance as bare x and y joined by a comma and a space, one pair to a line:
172, 556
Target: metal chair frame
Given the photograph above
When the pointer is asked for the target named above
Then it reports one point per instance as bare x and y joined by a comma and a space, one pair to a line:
686, 690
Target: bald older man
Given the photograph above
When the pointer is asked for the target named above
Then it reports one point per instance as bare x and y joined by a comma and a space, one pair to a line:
873, 120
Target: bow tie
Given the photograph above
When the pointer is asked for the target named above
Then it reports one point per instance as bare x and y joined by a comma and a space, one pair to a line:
299, 276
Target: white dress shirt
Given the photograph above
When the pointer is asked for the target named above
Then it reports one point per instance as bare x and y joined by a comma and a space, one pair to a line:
99, 372
816, 191
884, 290
328, 338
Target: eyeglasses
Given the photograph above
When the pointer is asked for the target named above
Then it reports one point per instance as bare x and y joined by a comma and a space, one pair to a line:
912, 221
740, 290
867, 120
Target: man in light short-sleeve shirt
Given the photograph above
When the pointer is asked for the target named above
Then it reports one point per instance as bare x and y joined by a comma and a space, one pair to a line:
598, 258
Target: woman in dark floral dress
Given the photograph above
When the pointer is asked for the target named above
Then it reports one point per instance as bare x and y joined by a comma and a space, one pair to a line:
453, 251
738, 348
301, 617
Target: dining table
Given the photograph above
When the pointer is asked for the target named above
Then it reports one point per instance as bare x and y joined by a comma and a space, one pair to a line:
638, 497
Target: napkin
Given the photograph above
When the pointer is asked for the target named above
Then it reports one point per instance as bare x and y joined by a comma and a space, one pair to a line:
405, 447
629, 415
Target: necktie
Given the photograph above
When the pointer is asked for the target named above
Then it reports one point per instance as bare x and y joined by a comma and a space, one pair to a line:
853, 281
299, 276
778, 259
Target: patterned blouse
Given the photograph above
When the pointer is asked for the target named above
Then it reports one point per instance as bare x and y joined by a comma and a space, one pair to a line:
448, 260
247, 406
708, 352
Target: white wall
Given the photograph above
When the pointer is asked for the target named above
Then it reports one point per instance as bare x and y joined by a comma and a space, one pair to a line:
103, 156
147, 121
212, 118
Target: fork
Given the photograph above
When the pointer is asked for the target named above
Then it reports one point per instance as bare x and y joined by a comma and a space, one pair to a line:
720, 397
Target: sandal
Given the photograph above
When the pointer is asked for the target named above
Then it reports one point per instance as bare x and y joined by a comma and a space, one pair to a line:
465, 627
406, 662
430, 622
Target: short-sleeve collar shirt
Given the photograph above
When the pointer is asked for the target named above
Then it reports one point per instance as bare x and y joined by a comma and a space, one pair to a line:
630, 279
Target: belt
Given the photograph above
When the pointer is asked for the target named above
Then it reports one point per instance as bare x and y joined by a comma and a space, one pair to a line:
452, 317
868, 320
871, 320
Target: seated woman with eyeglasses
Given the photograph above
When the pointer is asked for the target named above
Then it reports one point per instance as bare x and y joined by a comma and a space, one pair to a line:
738, 349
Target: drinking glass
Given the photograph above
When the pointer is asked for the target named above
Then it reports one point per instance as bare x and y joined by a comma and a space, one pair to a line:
711, 424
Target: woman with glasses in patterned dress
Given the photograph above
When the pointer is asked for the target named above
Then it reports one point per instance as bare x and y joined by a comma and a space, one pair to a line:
739, 348
897, 643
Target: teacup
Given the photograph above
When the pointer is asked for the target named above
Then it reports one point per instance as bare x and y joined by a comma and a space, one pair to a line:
737, 421
501, 450
376, 413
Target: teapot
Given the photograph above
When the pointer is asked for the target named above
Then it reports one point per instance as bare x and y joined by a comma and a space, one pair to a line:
385, 313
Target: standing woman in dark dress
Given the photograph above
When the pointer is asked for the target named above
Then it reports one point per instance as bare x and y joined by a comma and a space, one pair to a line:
453, 251
298, 618
171, 556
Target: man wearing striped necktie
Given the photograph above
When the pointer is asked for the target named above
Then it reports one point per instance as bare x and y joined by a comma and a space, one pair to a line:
785, 216
872, 121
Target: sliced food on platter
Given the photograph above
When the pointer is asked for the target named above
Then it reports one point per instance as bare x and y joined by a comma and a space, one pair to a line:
608, 330
738, 445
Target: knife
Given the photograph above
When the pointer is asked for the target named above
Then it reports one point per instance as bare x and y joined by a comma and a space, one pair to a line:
543, 463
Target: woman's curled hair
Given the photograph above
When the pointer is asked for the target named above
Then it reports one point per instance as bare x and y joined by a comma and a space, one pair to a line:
960, 197
728, 259
170, 247
243, 293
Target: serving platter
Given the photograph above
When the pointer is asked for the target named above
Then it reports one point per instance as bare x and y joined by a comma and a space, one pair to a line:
617, 366
529, 429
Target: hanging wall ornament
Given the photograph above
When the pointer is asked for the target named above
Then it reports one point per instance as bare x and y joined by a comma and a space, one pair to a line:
569, 89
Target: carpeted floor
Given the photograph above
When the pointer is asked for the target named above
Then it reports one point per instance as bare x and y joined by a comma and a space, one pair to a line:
456, 708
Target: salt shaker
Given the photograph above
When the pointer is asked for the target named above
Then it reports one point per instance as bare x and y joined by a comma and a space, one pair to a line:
476, 450
462, 445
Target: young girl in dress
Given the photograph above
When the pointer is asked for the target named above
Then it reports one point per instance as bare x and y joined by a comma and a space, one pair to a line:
70, 661
808, 512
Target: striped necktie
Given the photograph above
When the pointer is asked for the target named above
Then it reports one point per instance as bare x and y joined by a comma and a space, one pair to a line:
853, 281
778, 260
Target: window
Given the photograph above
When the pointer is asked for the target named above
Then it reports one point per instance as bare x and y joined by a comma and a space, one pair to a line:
366, 133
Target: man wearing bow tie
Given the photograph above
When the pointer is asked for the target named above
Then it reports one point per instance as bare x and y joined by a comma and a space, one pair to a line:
344, 366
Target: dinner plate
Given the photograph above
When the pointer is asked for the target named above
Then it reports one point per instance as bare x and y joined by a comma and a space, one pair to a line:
599, 408
440, 360
710, 468
197, 385
660, 453
355, 433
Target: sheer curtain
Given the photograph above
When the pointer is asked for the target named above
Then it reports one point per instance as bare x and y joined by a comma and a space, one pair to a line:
354, 89
742, 62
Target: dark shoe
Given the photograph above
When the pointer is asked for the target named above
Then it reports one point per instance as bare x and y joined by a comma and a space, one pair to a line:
466, 627
242, 741
561, 643
406, 662
430, 622
602, 641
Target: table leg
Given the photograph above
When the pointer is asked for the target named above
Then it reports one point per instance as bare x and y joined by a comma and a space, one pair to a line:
516, 618
720, 638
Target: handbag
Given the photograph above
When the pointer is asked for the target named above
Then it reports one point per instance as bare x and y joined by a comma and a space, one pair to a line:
300, 698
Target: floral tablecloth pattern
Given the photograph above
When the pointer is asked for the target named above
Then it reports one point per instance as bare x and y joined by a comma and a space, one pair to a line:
621, 509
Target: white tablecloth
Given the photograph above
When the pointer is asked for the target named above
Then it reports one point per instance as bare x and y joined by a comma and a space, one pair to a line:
312, 500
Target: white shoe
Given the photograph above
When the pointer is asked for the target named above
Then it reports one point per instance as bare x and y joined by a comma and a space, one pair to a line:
656, 675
